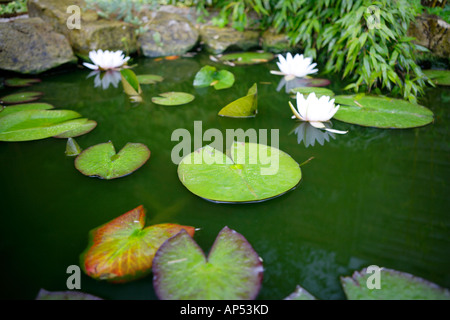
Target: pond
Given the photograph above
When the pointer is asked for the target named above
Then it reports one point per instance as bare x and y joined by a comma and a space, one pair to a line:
369, 197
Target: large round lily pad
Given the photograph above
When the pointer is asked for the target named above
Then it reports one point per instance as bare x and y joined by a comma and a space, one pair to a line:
253, 172
244, 107
381, 112
21, 97
122, 249
26, 106
102, 161
393, 285
209, 76
173, 98
247, 57
83, 128
232, 271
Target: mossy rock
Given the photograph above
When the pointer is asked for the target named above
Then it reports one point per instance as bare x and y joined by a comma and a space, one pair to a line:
218, 40
30, 46
277, 42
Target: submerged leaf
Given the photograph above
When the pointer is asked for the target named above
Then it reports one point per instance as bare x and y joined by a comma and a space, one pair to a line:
244, 107
102, 161
122, 249
247, 57
305, 91
232, 271
439, 77
173, 98
21, 97
252, 173
381, 112
65, 295
393, 285
209, 76
20, 82
149, 78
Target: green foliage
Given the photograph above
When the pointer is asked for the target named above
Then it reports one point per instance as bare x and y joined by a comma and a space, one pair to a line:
18, 6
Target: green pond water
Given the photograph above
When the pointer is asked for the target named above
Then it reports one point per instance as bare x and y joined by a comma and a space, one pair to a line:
370, 197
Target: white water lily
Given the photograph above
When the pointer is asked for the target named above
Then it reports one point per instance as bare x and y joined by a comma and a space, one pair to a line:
315, 110
106, 60
295, 67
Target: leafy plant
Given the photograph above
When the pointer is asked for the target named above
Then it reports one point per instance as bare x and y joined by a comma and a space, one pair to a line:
14, 7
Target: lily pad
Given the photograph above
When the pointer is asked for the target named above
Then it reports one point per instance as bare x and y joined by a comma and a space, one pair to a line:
65, 295
209, 76
149, 78
300, 294
393, 285
241, 58
173, 98
72, 148
252, 173
439, 77
317, 90
38, 124
20, 82
83, 128
130, 82
21, 97
232, 271
103, 162
122, 249
26, 106
244, 107
381, 112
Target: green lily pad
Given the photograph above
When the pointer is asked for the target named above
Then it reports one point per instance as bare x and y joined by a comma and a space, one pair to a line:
21, 97
252, 173
122, 249
84, 127
244, 107
300, 294
232, 271
72, 148
149, 78
173, 98
381, 112
65, 295
38, 124
393, 285
209, 76
20, 82
26, 106
241, 58
130, 82
103, 162
439, 77
317, 90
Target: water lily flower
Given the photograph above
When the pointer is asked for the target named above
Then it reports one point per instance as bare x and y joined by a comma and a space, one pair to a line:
106, 60
315, 110
297, 66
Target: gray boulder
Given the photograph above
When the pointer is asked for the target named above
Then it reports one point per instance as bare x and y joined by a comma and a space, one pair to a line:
218, 40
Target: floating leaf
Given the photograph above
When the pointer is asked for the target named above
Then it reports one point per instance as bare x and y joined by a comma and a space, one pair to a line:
102, 161
381, 112
209, 76
21, 97
83, 128
244, 107
173, 98
439, 77
38, 124
317, 90
122, 249
393, 285
72, 148
20, 82
27, 106
300, 294
252, 173
232, 271
149, 78
130, 82
65, 295
247, 57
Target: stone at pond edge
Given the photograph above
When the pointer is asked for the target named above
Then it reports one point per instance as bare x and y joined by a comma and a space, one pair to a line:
30, 46
167, 34
94, 33
277, 42
218, 40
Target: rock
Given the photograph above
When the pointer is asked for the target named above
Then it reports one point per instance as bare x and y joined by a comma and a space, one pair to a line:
433, 33
93, 34
217, 40
277, 42
31, 46
166, 34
